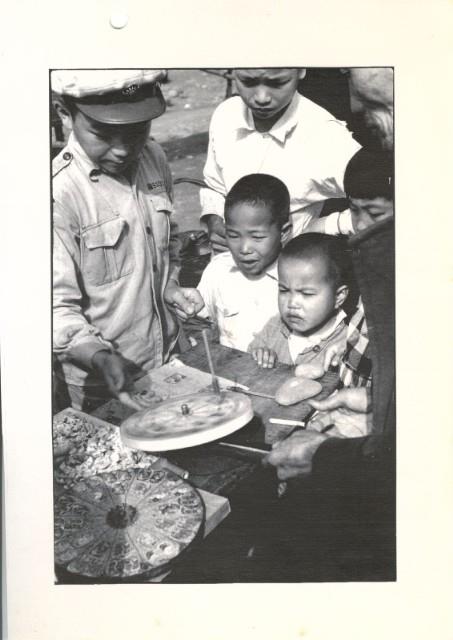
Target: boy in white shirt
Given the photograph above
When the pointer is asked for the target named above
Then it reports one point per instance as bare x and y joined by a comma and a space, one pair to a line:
240, 289
269, 127
313, 275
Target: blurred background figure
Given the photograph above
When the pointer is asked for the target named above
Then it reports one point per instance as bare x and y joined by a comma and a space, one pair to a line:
371, 101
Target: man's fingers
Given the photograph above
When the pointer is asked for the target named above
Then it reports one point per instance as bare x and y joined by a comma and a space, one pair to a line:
186, 307
280, 455
193, 297
332, 402
354, 399
320, 422
115, 383
332, 357
287, 472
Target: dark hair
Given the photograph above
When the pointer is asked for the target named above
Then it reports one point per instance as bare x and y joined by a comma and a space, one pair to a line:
261, 188
369, 174
66, 101
332, 248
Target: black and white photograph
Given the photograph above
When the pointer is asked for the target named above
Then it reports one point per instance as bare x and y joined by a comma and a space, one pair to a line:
223, 324
225, 281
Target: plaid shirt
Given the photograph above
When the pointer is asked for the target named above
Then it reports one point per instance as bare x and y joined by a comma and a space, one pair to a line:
355, 366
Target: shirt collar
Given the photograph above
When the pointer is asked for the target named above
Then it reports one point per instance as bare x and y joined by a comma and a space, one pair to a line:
79, 154
271, 270
281, 128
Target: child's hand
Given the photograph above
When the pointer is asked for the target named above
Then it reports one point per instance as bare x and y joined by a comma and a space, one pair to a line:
113, 369
185, 302
265, 357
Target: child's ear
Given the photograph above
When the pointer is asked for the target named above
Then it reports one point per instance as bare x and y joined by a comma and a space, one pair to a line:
302, 73
63, 113
286, 231
341, 295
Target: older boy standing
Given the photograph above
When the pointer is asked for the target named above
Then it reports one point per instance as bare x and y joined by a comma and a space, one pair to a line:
270, 128
115, 253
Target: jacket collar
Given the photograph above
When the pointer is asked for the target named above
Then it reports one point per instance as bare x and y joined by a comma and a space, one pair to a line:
88, 166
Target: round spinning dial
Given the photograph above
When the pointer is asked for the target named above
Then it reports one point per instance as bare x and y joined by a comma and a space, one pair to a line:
121, 525
187, 421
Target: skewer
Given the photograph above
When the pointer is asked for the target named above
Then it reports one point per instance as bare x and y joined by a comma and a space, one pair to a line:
288, 423
251, 393
215, 382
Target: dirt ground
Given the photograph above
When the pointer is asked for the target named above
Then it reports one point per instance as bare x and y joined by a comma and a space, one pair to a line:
182, 131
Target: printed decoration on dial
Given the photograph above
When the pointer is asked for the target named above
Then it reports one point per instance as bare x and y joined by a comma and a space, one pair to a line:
126, 524
187, 421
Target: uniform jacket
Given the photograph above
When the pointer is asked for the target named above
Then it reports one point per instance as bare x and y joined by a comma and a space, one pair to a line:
114, 250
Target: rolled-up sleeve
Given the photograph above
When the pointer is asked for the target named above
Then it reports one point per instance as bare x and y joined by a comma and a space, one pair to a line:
212, 198
74, 339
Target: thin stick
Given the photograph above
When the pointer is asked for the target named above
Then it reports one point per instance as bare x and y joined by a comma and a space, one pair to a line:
288, 423
251, 393
215, 382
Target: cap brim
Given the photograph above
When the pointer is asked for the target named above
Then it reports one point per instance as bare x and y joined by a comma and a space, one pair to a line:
125, 112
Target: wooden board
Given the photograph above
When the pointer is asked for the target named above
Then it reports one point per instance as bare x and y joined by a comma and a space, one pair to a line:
241, 368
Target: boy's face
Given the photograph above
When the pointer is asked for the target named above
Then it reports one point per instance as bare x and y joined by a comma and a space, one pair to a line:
253, 237
367, 211
267, 92
307, 299
112, 147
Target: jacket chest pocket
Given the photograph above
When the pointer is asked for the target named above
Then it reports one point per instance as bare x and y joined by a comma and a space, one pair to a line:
107, 253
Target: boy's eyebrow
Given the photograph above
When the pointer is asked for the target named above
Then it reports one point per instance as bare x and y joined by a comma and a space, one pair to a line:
248, 229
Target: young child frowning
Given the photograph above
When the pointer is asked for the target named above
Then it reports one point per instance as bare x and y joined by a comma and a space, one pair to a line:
313, 276
240, 287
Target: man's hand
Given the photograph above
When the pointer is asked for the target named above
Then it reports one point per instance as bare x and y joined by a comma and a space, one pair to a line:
348, 410
264, 357
333, 356
113, 369
184, 301
216, 232
294, 456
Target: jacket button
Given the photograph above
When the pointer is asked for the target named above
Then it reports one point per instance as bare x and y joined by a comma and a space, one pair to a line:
148, 230
154, 267
316, 348
67, 155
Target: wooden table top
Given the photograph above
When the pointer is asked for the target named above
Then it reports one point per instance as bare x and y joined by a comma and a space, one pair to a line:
241, 368
220, 468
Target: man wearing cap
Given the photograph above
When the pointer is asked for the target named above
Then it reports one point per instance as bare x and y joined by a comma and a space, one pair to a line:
115, 254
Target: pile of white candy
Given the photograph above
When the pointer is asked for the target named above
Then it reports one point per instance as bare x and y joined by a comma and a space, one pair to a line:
90, 448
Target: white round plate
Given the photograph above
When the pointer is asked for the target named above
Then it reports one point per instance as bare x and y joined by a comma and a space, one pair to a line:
187, 421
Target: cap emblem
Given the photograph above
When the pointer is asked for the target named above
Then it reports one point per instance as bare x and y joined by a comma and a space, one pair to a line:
129, 91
